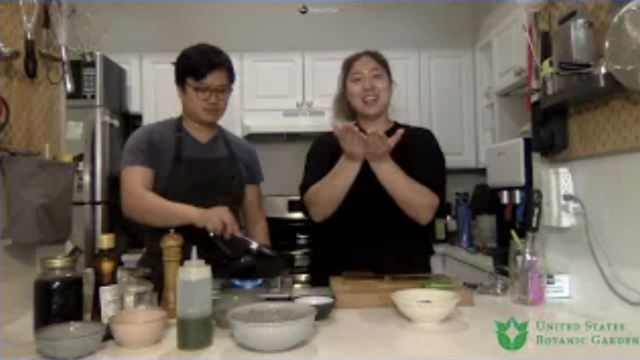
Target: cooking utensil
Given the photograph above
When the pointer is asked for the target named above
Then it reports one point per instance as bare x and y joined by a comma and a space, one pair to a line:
51, 50
8, 53
29, 10
5, 113
622, 46
254, 246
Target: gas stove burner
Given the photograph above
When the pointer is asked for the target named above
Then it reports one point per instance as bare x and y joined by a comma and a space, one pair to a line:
246, 283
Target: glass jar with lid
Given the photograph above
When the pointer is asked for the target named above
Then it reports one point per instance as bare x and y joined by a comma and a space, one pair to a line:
57, 292
137, 293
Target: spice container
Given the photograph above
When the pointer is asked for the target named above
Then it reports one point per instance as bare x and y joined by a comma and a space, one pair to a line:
137, 294
57, 292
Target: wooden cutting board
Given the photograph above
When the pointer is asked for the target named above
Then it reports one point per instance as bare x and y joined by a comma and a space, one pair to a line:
375, 292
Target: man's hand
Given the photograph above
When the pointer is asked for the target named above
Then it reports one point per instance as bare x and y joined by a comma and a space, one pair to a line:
218, 220
378, 147
351, 141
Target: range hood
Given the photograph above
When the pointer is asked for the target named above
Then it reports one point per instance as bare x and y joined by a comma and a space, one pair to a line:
285, 122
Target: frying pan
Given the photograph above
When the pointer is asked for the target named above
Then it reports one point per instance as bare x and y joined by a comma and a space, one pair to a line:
246, 258
622, 46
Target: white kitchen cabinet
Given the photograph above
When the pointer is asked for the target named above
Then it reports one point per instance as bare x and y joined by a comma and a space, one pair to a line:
485, 98
510, 51
273, 81
160, 99
447, 94
405, 101
132, 64
160, 95
321, 78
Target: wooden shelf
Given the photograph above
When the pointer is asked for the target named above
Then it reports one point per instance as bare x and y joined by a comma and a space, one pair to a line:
583, 89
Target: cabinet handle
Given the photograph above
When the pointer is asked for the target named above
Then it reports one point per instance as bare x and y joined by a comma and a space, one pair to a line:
299, 104
309, 103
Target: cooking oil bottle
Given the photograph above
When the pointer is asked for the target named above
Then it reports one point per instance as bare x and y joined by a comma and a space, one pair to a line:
195, 310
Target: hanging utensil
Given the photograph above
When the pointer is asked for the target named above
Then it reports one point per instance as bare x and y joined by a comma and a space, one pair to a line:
51, 49
60, 13
8, 53
622, 46
5, 113
29, 10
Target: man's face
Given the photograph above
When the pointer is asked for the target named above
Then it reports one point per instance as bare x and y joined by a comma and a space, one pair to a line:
205, 101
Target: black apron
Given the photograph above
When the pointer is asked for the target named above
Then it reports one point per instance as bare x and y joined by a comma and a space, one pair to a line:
203, 183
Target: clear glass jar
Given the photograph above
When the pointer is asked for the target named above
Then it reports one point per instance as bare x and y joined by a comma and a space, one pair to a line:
57, 292
137, 294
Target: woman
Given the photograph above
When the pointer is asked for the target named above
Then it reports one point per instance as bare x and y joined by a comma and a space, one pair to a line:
373, 185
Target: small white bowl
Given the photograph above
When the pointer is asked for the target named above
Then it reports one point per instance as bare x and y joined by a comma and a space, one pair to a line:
425, 305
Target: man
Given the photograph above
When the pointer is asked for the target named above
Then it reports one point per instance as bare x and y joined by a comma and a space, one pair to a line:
189, 173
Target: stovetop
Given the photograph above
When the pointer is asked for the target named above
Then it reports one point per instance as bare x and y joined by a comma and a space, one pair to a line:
279, 288
269, 288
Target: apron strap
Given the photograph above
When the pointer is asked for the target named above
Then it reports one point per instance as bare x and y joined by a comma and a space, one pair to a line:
177, 150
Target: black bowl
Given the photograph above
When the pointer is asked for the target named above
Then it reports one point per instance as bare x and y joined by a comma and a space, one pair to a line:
323, 304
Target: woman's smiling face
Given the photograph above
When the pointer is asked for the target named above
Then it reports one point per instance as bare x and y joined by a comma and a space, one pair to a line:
368, 88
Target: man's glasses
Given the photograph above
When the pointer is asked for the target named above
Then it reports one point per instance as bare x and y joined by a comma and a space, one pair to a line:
205, 93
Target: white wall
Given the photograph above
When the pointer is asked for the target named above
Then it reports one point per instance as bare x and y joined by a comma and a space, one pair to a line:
278, 26
273, 26
609, 188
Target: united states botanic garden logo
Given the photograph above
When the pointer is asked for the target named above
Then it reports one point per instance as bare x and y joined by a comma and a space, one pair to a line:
511, 335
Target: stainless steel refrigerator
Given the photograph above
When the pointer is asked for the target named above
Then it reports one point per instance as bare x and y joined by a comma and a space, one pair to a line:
94, 136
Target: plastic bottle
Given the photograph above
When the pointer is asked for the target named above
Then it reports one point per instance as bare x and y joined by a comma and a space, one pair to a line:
195, 310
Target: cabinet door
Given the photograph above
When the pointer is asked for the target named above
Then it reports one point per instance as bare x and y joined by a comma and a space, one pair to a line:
160, 99
405, 101
448, 105
132, 64
272, 81
321, 78
160, 94
510, 51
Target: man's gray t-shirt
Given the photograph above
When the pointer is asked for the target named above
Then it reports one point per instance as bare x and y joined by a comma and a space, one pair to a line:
152, 146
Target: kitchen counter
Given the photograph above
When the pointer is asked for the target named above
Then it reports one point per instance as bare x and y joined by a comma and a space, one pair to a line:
383, 333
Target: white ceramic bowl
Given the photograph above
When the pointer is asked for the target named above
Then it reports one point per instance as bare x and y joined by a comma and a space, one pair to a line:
425, 305
272, 326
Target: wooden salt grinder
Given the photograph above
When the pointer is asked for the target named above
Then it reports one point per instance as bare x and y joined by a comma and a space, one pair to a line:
172, 258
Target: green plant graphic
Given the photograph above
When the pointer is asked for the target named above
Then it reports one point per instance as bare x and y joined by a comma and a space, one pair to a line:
516, 342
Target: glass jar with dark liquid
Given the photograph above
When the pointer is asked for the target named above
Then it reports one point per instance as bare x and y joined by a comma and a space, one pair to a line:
57, 292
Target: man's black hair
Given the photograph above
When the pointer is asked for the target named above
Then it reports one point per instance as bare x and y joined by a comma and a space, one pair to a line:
198, 61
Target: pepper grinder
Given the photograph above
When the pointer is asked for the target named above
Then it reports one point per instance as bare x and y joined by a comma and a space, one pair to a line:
172, 257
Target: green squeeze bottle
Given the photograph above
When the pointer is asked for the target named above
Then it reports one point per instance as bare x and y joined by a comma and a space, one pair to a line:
194, 304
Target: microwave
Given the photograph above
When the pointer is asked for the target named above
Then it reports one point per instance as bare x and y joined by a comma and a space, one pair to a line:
98, 81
